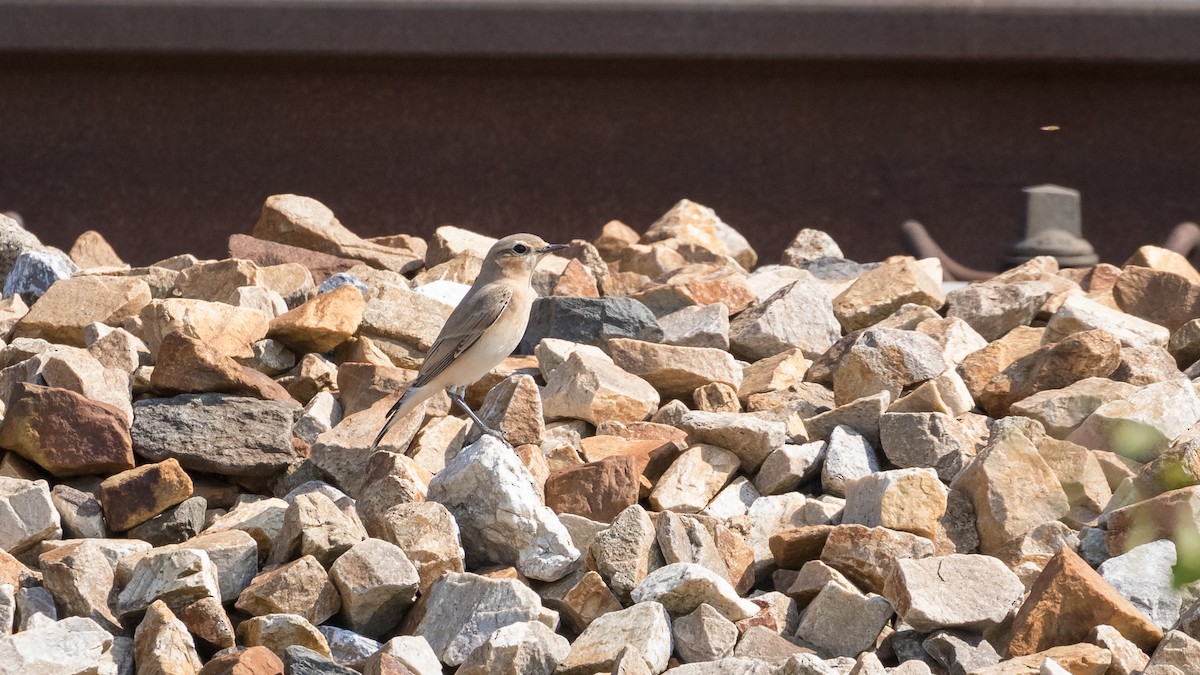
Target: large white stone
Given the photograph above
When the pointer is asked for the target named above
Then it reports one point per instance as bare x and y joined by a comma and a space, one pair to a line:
682, 587
500, 512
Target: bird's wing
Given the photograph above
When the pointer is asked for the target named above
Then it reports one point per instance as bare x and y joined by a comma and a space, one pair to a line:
474, 315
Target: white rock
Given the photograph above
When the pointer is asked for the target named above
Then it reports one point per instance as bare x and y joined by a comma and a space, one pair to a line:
463, 610
446, 292
844, 622
682, 587
645, 626
750, 438
414, 653
848, 456
1141, 426
1144, 575
27, 514
693, 479
1079, 313
972, 592
527, 648
500, 512
552, 352
74, 645
176, 576
733, 500
321, 414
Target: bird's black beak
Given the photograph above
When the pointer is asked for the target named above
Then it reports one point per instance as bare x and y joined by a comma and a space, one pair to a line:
550, 248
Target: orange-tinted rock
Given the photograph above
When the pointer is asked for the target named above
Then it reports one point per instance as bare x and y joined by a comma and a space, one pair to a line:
576, 280
597, 490
654, 456
249, 661
321, 323
796, 546
186, 365
132, 497
65, 433
1067, 601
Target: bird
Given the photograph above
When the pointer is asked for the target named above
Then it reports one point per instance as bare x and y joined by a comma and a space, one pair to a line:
483, 329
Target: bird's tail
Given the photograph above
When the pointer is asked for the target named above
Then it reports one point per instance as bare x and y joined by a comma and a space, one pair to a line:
407, 402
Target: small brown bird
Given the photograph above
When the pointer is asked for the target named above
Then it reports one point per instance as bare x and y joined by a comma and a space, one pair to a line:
483, 330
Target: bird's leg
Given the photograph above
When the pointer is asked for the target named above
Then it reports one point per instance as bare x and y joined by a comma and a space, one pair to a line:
457, 398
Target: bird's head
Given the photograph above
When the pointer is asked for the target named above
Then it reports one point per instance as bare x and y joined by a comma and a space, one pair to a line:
517, 254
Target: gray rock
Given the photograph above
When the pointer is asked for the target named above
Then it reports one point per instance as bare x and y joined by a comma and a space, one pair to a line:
704, 635
177, 524
349, 649
972, 592
684, 539
926, 440
1177, 653
299, 660
993, 308
697, 326
235, 555
646, 627
14, 240
34, 271
462, 610
81, 576
1144, 576
314, 525
765, 645
810, 245
961, 652
27, 515
526, 648
500, 511
798, 316
377, 583
807, 664
848, 457
885, 359
216, 433
844, 622
35, 607
750, 438
176, 576
624, 552
589, 321
81, 513
789, 466
342, 279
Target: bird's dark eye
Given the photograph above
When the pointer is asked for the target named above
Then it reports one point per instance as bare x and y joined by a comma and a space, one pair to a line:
520, 249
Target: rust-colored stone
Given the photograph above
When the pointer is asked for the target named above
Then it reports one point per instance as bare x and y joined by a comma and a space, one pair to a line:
597, 490
66, 433
186, 365
796, 546
322, 323
1067, 601
249, 661
132, 497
